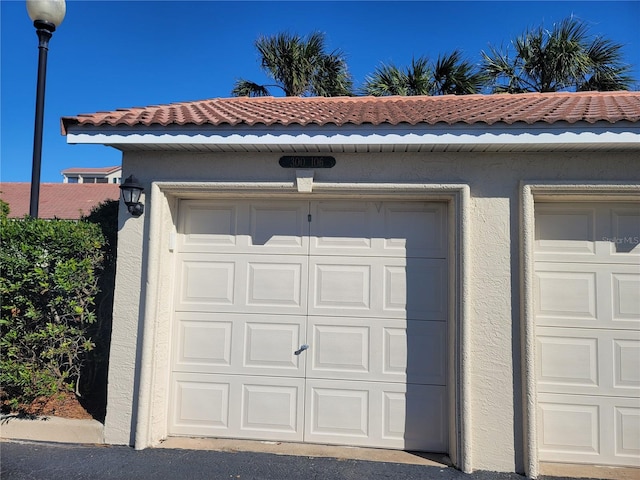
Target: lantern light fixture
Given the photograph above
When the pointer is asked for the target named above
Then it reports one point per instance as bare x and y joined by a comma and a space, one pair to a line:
131, 190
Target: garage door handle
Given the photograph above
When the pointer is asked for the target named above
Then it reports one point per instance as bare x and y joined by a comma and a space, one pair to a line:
301, 349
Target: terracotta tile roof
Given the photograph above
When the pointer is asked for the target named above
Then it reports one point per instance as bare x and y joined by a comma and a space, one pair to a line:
57, 200
450, 109
98, 170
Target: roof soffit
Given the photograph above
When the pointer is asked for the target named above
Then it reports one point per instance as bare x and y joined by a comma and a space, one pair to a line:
333, 138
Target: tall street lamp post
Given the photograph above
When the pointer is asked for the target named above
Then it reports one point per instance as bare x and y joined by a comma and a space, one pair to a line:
46, 16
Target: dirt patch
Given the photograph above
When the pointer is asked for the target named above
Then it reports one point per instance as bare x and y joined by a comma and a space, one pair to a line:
64, 405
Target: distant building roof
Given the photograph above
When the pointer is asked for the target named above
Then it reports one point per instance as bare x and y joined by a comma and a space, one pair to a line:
68, 201
91, 171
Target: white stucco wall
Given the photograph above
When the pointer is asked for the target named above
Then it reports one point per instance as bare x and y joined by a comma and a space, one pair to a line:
495, 397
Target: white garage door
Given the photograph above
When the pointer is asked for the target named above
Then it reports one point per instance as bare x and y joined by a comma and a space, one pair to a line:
362, 284
587, 284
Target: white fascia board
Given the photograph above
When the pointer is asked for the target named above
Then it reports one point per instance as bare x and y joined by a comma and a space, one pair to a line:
584, 133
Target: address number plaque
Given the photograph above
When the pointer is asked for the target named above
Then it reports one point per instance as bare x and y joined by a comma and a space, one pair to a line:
298, 161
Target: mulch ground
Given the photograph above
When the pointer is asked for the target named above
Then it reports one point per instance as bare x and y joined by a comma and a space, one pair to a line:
66, 405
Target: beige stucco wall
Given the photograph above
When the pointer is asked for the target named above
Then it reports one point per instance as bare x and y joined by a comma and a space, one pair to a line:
495, 401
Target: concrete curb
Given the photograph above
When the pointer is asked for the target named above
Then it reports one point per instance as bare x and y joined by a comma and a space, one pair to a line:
51, 429
306, 450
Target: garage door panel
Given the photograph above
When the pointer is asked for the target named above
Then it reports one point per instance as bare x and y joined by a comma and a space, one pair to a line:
207, 282
626, 296
244, 227
339, 412
405, 420
379, 287
626, 364
587, 233
583, 429
419, 420
237, 406
274, 283
565, 293
376, 415
427, 292
270, 408
588, 361
415, 230
627, 433
204, 342
341, 228
271, 345
569, 230
279, 226
206, 227
587, 295
626, 231
340, 350
242, 283
568, 428
385, 350
415, 289
423, 360
341, 287
200, 404
409, 229
567, 363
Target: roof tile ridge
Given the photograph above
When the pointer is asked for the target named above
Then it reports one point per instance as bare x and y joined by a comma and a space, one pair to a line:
188, 113
567, 108
625, 108
231, 112
218, 112
245, 98
509, 107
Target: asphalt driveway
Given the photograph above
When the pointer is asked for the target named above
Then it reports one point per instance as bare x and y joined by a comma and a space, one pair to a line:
51, 461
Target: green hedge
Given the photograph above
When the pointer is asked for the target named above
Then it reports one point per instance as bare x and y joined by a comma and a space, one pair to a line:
49, 273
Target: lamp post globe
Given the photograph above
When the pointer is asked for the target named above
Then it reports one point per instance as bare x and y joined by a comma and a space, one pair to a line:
46, 16
50, 11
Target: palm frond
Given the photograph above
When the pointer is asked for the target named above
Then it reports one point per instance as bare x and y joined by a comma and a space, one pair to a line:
419, 77
607, 72
454, 75
502, 72
386, 80
245, 88
331, 77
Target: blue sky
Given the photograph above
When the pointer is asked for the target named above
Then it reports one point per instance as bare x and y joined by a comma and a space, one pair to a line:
118, 54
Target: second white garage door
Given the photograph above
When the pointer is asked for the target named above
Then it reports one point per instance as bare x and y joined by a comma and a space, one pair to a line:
587, 290
307, 321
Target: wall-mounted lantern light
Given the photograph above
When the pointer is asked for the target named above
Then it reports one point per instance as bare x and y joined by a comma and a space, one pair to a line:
131, 190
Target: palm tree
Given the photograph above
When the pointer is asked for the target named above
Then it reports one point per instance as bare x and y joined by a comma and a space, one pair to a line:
450, 74
299, 66
454, 75
564, 58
